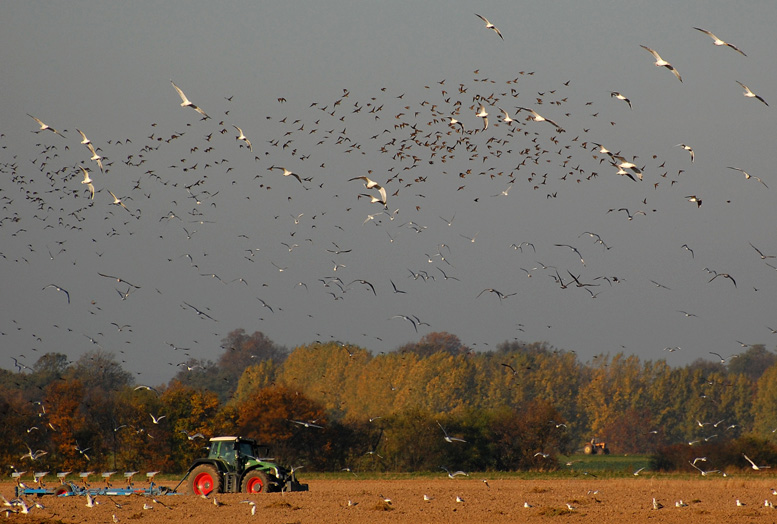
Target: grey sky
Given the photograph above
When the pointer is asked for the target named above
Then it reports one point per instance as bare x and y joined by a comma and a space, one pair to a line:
106, 70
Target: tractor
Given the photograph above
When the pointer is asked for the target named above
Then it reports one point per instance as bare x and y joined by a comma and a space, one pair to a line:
593, 447
233, 466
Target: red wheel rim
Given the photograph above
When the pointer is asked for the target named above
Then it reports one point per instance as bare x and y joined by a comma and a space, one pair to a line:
254, 485
203, 484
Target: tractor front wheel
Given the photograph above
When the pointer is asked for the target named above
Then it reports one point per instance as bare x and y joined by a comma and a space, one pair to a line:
204, 479
256, 482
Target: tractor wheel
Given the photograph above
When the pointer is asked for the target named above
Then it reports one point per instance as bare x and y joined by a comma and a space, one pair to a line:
589, 449
255, 482
63, 491
606, 451
204, 479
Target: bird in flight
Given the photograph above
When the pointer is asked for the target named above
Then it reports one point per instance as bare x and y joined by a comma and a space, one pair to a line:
243, 138
448, 438
748, 176
539, 118
63, 290
763, 257
186, 103
87, 180
489, 25
482, 113
615, 94
660, 62
717, 41
97, 158
84, 140
687, 148
286, 172
749, 94
454, 474
496, 292
44, 127
753, 465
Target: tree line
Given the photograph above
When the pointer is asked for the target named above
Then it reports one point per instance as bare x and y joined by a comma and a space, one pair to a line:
337, 407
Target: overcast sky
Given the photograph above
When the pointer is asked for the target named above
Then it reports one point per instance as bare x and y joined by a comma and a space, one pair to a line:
336, 90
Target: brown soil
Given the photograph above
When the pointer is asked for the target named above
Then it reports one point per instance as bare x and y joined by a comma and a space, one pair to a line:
594, 500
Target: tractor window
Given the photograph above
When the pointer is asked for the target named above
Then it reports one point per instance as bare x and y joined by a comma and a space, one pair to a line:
228, 453
246, 449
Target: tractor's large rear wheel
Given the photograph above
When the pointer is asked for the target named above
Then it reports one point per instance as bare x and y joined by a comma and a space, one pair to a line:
255, 482
204, 480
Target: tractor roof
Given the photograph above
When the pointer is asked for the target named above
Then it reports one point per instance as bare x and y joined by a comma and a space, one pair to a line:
231, 439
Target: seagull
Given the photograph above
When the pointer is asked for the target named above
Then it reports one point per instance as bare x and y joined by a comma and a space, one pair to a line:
496, 292
448, 438
243, 138
286, 172
405, 317
192, 437
308, 424
717, 41
573, 248
539, 118
703, 472
117, 201
687, 148
87, 180
252, 504
44, 127
619, 96
750, 94
748, 176
482, 113
752, 464
97, 158
77, 447
694, 198
156, 419
455, 473
84, 140
370, 184
506, 118
660, 62
489, 25
637, 472
33, 455
427, 498
60, 289
763, 257
186, 103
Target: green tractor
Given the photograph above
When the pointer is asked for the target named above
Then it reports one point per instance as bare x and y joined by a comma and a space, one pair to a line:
233, 466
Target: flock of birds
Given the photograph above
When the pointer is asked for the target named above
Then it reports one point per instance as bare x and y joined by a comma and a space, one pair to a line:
90, 212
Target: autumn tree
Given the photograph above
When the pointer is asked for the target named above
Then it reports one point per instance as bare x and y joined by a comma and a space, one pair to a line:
241, 351
435, 341
277, 415
752, 362
765, 403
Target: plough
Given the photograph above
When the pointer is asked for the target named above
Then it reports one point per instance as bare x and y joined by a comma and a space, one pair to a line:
70, 489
